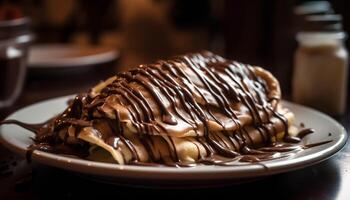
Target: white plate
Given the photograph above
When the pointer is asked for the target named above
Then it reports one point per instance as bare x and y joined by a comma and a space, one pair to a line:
68, 56
18, 139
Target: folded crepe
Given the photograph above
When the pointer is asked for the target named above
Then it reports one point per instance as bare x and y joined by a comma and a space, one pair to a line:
195, 108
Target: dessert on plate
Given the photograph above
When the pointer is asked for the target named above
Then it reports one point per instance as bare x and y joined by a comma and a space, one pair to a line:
193, 109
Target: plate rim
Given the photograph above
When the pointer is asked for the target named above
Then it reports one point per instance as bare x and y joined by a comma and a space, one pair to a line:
86, 60
210, 172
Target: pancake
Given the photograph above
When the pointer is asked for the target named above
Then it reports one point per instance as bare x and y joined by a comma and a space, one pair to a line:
198, 108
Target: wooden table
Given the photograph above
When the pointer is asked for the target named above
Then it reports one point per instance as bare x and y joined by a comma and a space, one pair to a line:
327, 180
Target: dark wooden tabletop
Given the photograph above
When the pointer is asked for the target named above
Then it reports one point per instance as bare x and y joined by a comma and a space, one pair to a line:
20, 180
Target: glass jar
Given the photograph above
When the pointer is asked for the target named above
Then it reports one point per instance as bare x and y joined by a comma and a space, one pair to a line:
320, 71
15, 38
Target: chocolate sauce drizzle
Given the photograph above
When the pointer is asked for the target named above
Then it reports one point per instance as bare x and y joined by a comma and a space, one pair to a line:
194, 89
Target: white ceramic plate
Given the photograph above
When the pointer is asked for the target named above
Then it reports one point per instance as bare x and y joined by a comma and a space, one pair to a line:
18, 139
68, 56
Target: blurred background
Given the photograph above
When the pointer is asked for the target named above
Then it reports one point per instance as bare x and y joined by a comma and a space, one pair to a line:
51, 48
259, 32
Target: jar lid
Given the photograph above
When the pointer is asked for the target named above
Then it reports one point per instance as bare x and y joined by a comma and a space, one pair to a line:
313, 8
322, 23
